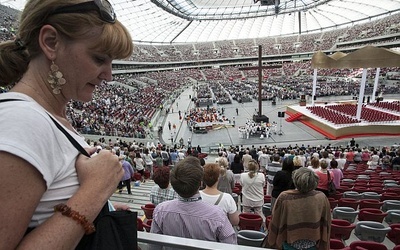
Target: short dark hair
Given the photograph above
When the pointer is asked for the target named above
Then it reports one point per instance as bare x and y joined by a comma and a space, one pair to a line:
334, 163
161, 177
186, 177
287, 164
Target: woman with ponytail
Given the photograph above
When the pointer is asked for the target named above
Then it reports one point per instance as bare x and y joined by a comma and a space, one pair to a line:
253, 183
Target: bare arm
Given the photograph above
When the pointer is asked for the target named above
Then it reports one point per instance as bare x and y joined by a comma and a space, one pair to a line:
234, 218
19, 202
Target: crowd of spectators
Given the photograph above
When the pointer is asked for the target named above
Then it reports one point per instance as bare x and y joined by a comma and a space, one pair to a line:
126, 107
324, 40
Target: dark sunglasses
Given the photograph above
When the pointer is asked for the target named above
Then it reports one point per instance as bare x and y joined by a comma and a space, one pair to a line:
103, 7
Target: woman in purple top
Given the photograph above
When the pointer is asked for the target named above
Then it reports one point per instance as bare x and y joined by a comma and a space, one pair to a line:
128, 172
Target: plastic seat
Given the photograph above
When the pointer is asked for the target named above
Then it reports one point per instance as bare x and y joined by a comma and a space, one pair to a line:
266, 209
345, 213
389, 181
250, 221
367, 245
394, 234
250, 238
333, 202
267, 198
393, 216
336, 244
371, 195
390, 205
348, 202
391, 185
370, 203
352, 195
341, 229
390, 196
371, 214
148, 210
371, 231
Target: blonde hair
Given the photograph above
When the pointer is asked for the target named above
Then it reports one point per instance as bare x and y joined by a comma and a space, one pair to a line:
297, 161
223, 163
114, 40
253, 168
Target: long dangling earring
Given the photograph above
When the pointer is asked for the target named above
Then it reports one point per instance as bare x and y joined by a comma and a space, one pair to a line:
55, 78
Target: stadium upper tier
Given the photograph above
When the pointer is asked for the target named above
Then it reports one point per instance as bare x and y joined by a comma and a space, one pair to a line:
194, 21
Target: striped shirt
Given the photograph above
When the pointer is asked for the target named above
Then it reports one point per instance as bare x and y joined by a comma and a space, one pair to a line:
193, 219
272, 169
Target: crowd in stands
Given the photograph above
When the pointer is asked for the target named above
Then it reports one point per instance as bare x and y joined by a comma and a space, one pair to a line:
341, 162
325, 40
132, 113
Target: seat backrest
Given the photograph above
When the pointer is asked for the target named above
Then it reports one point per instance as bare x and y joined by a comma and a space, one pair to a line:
371, 231
250, 221
345, 213
369, 245
250, 238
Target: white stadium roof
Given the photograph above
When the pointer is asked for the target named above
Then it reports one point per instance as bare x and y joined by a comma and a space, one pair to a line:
193, 21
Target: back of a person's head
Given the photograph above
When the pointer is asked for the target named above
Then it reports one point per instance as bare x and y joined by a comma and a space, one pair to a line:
253, 168
334, 163
324, 164
305, 180
113, 40
276, 157
161, 177
186, 177
315, 162
288, 164
211, 174
297, 161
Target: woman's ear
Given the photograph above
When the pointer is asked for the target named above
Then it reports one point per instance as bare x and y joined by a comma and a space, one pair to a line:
49, 41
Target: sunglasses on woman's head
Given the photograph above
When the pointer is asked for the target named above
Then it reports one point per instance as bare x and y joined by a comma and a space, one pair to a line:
103, 7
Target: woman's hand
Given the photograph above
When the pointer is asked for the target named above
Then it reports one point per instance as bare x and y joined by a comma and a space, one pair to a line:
101, 172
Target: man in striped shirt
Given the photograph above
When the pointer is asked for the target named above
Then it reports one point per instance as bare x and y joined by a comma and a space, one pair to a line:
272, 169
188, 216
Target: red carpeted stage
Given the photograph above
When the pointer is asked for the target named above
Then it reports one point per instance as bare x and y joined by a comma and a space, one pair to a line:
336, 120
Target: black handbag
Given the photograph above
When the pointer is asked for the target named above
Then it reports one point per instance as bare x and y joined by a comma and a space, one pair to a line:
115, 230
331, 185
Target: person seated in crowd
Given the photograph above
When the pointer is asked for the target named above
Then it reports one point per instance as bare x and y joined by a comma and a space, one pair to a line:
189, 216
301, 218
162, 190
212, 195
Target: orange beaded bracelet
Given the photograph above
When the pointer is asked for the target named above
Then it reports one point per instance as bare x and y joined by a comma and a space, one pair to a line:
67, 211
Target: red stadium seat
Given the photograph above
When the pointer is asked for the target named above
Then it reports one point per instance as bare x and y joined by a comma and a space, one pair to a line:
148, 210
250, 221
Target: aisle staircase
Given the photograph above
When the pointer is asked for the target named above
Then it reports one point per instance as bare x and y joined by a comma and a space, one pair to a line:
294, 117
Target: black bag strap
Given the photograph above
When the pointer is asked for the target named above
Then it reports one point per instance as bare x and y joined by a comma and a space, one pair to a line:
329, 175
68, 135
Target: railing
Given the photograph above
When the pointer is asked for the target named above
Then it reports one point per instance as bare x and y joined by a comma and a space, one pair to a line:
157, 241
